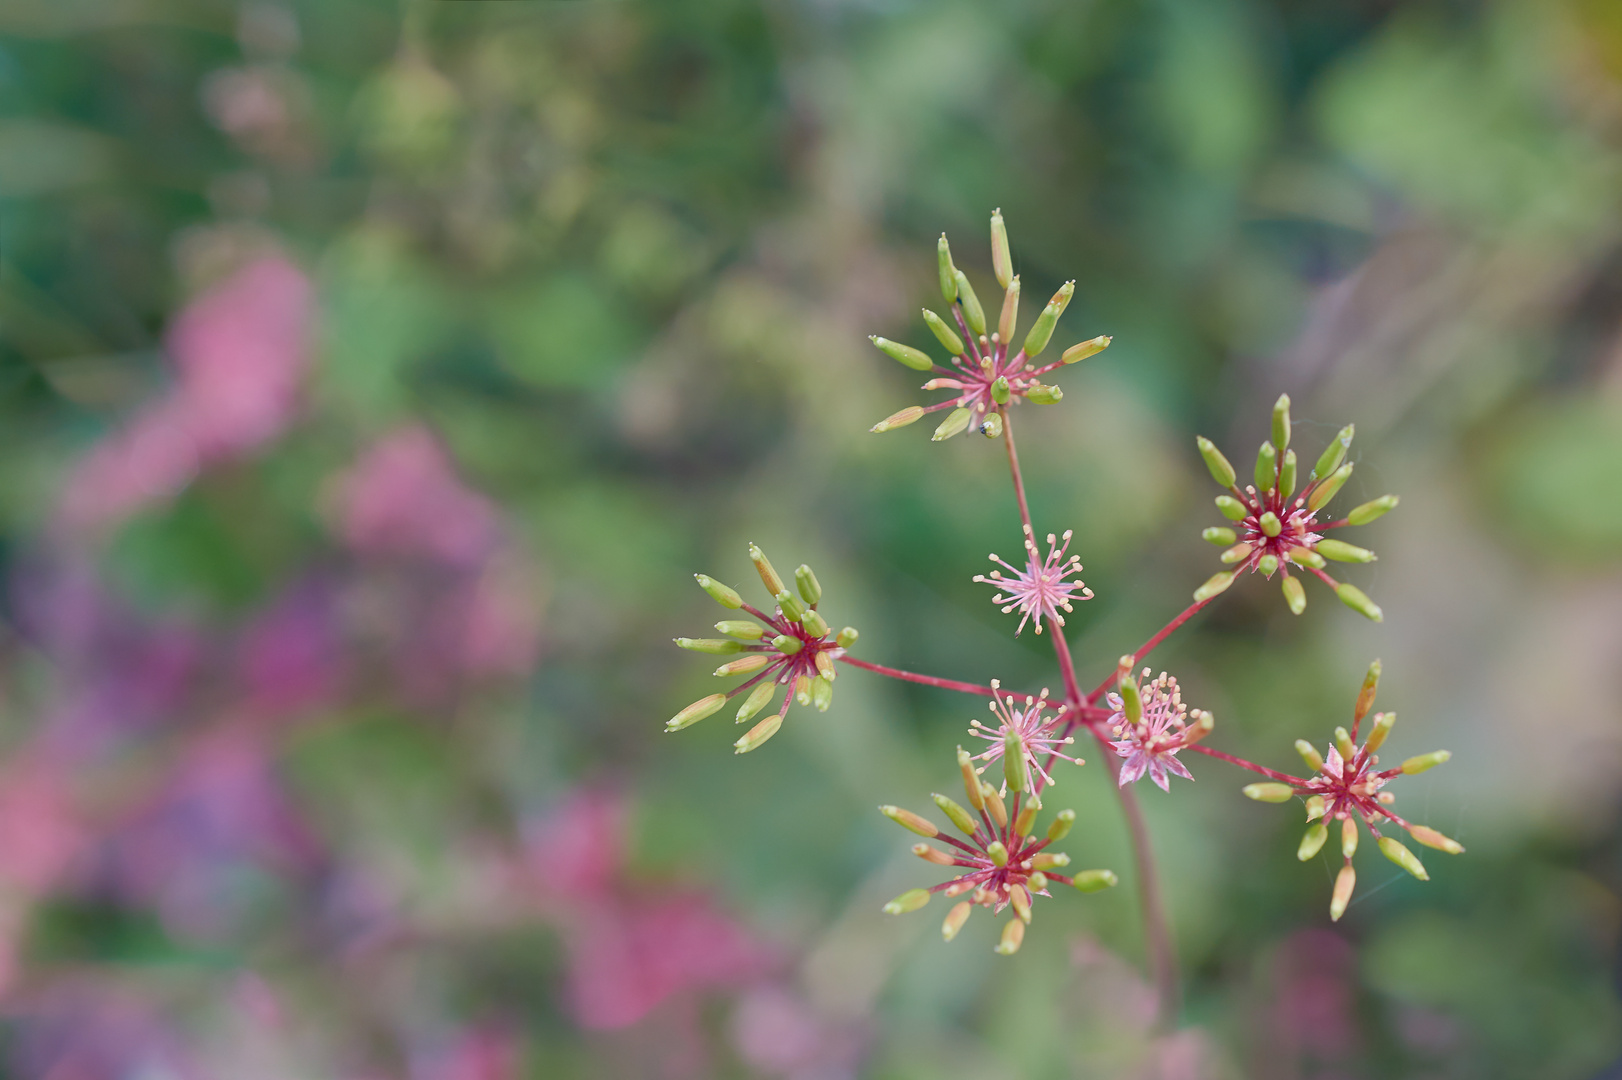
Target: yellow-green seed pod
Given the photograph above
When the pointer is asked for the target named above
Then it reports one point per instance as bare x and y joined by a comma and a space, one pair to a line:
959, 816
814, 624
1369, 511
997, 853
1050, 860
1365, 694
1281, 422
994, 805
1345, 882
790, 606
1042, 394
757, 700
991, 426
1232, 508
1310, 755
1042, 329
1219, 536
944, 333
948, 271
1329, 488
847, 637
910, 415
1268, 564
1089, 881
712, 646
999, 390
1082, 350
757, 735
1316, 807
1060, 827
1013, 762
1294, 595
1306, 557
822, 694
727, 598
1343, 743
1237, 553
743, 629
909, 820
1383, 722
1131, 699
1270, 523
1348, 838
916, 359
1221, 469
802, 689
971, 780
787, 644
1343, 552
1215, 585
698, 710
911, 900
743, 665
1013, 934
955, 919
1266, 467
1024, 824
955, 422
1358, 601
1009, 319
1433, 839
1313, 841
806, 581
825, 667
1273, 793
1393, 849
1020, 901
1037, 881
973, 313
1002, 260
1416, 765
932, 855
1334, 453
1286, 475
763, 566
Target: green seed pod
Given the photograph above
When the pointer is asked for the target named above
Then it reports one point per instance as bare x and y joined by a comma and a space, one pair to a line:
806, 581
1416, 765
1270, 524
1393, 849
1214, 585
1372, 509
1329, 488
916, 359
1334, 453
763, 567
909, 901
1082, 350
1313, 841
756, 701
955, 422
1131, 700
814, 624
1295, 595
1266, 467
727, 598
1267, 564
1231, 508
1273, 793
999, 390
948, 271
713, 646
1090, 881
1221, 471
1009, 319
822, 693
991, 426
1044, 395
973, 313
909, 820
1281, 422
998, 853
791, 607
1061, 825
944, 333
1219, 536
744, 629
959, 816
1334, 549
847, 637
1310, 755
1286, 475
1002, 260
1306, 557
1236, 553
911, 414
1013, 762
1042, 329
698, 710
1383, 723
1358, 601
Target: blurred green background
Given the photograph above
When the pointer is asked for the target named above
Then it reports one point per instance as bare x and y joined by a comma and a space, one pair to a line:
373, 378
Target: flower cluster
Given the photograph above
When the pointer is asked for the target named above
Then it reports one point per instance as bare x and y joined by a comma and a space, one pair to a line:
1028, 729
984, 375
1278, 529
1149, 725
792, 647
1346, 787
1003, 863
1041, 589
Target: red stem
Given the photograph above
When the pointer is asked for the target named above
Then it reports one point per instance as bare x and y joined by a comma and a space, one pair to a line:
926, 680
1273, 774
1148, 646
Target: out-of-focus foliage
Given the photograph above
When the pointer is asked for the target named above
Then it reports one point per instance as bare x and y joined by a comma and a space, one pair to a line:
374, 377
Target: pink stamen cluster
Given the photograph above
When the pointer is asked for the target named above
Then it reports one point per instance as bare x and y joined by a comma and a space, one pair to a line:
1041, 590
1034, 731
1150, 745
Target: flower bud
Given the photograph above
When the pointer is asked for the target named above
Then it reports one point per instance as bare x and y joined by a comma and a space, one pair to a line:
722, 595
1219, 536
1270, 523
955, 919
971, 780
756, 701
787, 644
1050, 860
955, 422
825, 667
943, 333
1383, 723
1343, 743
1348, 837
1013, 762
1082, 350
802, 689
1215, 585
1393, 849
1354, 598
806, 581
1345, 882
814, 624
916, 359
743, 665
1433, 839
997, 853
1037, 882
991, 426
1294, 595
1343, 552
713, 646
1094, 880
822, 694
1316, 807
1027, 817
698, 710
1372, 509
1310, 755
1231, 508
1221, 471
948, 271
1131, 700
1329, 488
911, 414
1042, 329
1365, 693
758, 734
1286, 475
1020, 901
909, 820
1302, 556
763, 566
994, 805
1416, 765
1268, 564
1204, 723
999, 390
1041, 394
1274, 793
932, 855
958, 816
1313, 841
1002, 261
1334, 453
1009, 319
911, 900
847, 637
744, 629
1266, 467
973, 313
1059, 827
790, 605
1237, 553
1013, 933
1281, 421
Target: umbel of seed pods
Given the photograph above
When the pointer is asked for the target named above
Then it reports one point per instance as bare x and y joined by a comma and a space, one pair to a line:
792, 647
1004, 862
1276, 530
1345, 788
985, 373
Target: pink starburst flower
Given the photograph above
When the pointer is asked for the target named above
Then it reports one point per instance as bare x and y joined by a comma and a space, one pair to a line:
1346, 787
1041, 590
1278, 530
792, 647
1036, 734
1002, 863
1150, 726
985, 374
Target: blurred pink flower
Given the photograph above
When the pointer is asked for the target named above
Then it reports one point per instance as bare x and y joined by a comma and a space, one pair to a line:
484, 1053
240, 351
1312, 1014
291, 657
575, 852
403, 498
